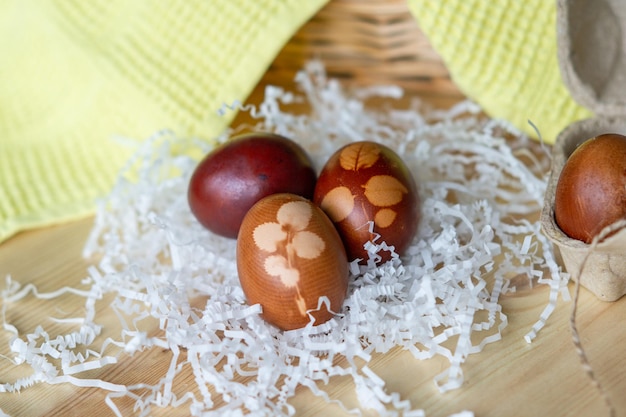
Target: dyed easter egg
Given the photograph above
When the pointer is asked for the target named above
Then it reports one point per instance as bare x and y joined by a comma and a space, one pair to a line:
591, 190
289, 255
234, 176
367, 190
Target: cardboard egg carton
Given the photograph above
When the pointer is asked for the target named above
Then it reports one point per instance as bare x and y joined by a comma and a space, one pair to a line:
592, 58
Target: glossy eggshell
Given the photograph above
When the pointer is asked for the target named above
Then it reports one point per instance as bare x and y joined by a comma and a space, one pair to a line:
591, 190
366, 181
288, 256
237, 174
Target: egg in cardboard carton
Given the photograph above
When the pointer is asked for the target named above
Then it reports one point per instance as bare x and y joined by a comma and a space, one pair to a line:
591, 38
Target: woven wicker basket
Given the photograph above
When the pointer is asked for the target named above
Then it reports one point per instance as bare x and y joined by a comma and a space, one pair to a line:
367, 42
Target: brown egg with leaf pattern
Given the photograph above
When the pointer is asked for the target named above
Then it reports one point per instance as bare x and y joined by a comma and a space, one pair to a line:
291, 261
367, 190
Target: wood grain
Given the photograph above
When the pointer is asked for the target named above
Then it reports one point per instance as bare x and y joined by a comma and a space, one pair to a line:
509, 378
364, 42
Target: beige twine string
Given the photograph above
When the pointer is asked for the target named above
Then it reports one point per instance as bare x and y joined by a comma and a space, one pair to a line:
575, 336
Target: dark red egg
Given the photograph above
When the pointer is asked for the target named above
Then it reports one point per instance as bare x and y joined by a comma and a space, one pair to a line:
363, 183
237, 174
591, 191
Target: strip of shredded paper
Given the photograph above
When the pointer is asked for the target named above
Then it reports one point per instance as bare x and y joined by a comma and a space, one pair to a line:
155, 262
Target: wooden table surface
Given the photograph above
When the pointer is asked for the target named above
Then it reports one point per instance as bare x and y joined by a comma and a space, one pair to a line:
508, 378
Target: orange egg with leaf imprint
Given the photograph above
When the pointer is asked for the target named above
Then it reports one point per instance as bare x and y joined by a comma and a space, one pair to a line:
289, 258
366, 183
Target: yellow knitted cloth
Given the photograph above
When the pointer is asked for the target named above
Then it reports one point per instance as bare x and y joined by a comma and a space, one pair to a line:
503, 55
74, 74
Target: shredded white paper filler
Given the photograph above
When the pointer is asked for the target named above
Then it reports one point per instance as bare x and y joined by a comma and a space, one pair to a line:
478, 183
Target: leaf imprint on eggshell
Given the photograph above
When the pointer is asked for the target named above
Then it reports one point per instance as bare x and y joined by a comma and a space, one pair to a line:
293, 217
358, 156
301, 303
384, 217
277, 266
295, 214
308, 245
384, 190
338, 203
267, 236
